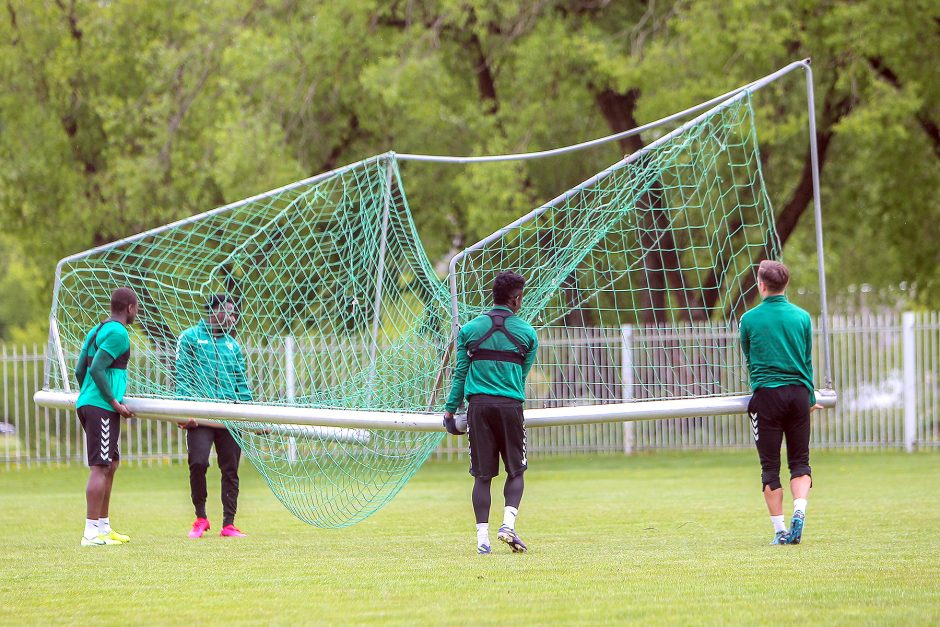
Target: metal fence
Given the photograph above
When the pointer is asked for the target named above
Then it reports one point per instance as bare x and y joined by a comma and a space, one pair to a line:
886, 370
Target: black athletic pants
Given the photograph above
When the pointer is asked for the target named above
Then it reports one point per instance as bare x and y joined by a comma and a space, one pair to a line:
199, 440
777, 413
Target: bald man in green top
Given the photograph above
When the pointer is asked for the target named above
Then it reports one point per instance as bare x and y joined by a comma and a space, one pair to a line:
102, 379
495, 352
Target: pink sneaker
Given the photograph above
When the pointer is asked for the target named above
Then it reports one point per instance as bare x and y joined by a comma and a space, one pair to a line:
199, 528
231, 531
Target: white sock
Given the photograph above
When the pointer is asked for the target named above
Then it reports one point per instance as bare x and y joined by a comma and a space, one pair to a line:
104, 525
483, 534
509, 517
91, 528
778, 523
799, 505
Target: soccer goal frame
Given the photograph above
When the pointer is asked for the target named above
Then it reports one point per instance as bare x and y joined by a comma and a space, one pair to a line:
344, 425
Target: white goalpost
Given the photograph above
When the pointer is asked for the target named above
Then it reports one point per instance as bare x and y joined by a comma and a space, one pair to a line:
348, 331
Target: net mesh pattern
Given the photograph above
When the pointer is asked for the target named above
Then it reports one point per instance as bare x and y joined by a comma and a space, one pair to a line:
634, 280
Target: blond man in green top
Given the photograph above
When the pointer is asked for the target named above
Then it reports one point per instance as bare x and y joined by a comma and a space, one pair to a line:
495, 352
101, 372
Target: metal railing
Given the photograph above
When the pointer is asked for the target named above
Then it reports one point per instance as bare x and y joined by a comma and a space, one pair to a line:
886, 370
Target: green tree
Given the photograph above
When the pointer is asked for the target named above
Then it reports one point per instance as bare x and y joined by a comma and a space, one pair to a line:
119, 116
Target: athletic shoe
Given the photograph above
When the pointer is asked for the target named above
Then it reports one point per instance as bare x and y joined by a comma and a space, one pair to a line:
199, 528
508, 535
484, 549
781, 537
101, 539
796, 528
231, 531
120, 537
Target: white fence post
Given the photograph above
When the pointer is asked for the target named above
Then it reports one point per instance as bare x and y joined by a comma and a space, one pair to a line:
910, 384
626, 377
290, 380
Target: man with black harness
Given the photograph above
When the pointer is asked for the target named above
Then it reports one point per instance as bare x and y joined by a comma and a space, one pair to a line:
495, 352
102, 380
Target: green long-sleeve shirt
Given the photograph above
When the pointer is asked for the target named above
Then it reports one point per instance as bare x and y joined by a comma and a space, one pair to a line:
496, 378
210, 366
777, 340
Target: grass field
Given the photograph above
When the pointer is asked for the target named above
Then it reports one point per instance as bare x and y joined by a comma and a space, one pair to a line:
665, 538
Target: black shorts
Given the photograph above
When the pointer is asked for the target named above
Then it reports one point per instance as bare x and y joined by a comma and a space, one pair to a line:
102, 434
775, 413
495, 428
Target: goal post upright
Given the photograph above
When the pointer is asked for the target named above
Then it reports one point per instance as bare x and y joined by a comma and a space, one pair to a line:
380, 273
817, 214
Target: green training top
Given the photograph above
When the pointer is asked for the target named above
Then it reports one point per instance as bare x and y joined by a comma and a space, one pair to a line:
496, 378
777, 340
112, 342
210, 366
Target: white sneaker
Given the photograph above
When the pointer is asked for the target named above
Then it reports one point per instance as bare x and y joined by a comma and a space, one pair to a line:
96, 541
101, 539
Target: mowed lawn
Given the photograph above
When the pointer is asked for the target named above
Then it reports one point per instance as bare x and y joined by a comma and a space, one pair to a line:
666, 538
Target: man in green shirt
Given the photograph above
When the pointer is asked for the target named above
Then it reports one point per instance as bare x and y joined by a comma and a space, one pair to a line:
495, 352
210, 366
777, 340
101, 372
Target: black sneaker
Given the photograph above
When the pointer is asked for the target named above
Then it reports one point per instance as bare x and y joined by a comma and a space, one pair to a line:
508, 535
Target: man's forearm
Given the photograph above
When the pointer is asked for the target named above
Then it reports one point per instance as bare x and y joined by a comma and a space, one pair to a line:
458, 383
100, 377
456, 396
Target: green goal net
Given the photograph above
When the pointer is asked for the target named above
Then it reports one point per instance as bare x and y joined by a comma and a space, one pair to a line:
635, 279
338, 309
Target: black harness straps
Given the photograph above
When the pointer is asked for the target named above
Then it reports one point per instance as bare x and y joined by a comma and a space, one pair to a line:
120, 362
475, 353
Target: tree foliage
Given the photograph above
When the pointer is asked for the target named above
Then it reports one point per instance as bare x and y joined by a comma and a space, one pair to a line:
119, 116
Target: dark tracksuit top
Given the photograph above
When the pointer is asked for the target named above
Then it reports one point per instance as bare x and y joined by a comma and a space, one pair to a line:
495, 378
777, 340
